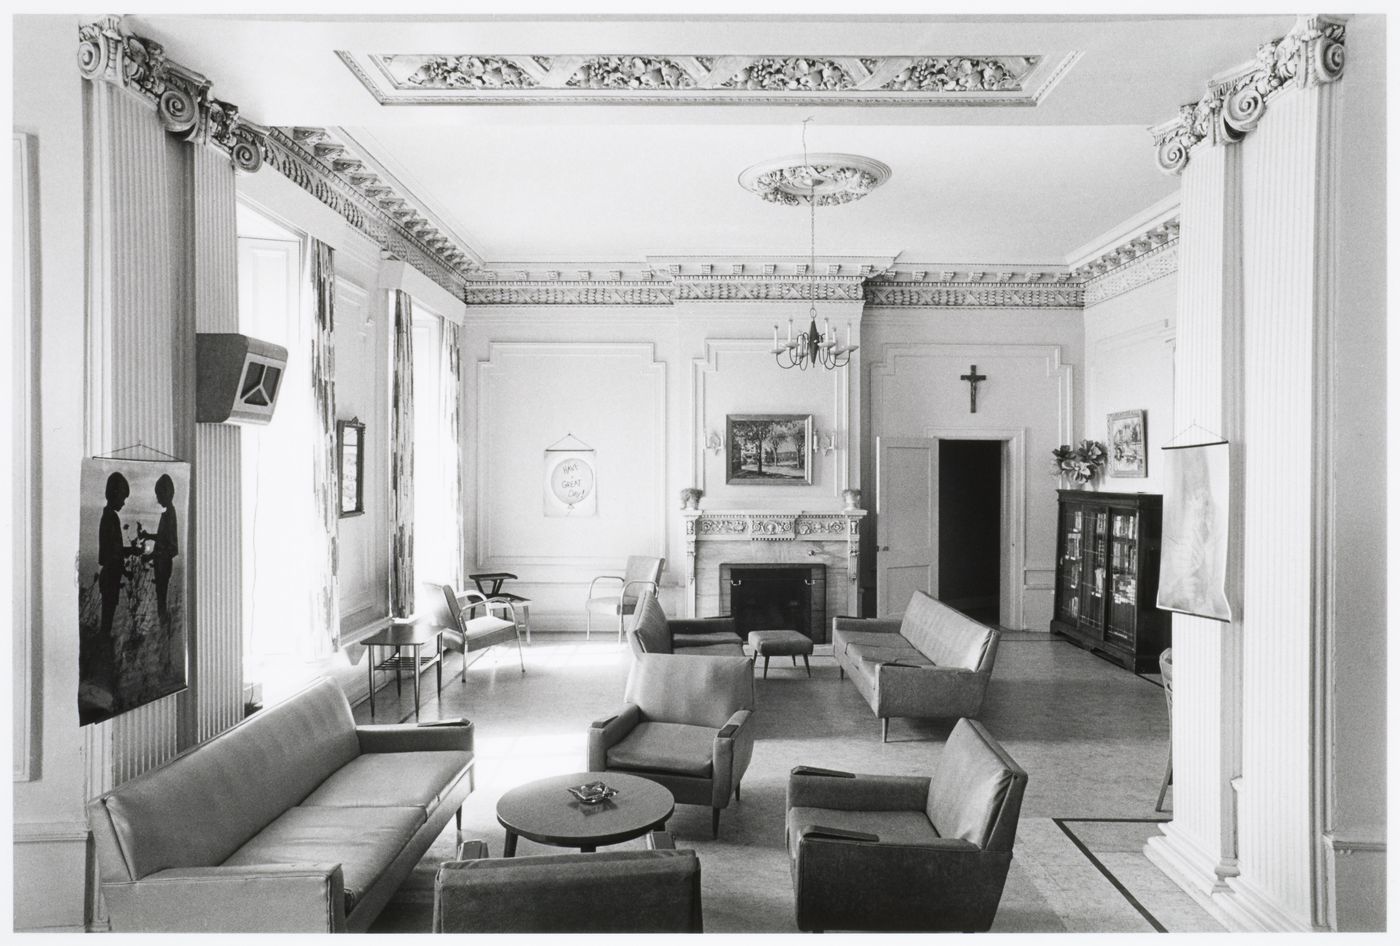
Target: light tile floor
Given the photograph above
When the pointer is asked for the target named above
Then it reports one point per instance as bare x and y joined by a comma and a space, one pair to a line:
1092, 736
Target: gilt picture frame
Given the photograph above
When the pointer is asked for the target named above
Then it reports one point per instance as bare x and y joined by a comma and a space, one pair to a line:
350, 465
768, 449
1127, 444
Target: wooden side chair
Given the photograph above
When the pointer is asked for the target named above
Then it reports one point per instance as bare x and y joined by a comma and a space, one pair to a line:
471, 634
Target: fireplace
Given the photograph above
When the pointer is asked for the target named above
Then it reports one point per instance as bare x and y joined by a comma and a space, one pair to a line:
822, 547
771, 596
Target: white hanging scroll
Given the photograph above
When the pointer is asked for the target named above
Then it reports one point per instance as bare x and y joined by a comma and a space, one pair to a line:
1195, 531
570, 483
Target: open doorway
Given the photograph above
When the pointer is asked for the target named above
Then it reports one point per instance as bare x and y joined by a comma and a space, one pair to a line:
970, 527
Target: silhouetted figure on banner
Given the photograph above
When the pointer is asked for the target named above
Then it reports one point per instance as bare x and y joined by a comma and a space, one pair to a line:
167, 543
111, 564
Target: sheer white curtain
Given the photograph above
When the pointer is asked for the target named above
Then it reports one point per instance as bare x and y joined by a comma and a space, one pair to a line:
285, 546
437, 500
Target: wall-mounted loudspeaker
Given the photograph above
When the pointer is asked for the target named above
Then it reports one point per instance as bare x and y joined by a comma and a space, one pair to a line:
237, 378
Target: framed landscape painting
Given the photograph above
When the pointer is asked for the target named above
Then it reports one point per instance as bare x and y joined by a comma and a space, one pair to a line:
768, 449
1127, 443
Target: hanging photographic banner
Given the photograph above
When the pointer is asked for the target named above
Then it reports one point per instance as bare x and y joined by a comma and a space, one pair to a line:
570, 483
1195, 530
132, 640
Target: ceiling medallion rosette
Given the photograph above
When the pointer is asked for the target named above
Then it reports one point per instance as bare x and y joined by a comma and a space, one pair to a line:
826, 179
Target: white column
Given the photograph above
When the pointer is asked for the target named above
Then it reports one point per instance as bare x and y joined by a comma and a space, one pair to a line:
1198, 846
217, 654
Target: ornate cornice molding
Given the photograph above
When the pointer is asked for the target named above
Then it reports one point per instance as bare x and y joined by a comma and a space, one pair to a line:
629, 293
1152, 265
182, 98
309, 157
328, 169
969, 291
869, 280
483, 78
769, 289
1311, 53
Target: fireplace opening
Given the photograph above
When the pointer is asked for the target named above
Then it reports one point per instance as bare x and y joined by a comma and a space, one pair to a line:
763, 597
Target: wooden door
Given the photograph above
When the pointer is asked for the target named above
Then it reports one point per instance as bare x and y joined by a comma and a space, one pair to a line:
906, 504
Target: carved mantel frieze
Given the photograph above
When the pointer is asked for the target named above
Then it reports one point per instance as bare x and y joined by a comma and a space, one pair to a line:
771, 526
1311, 53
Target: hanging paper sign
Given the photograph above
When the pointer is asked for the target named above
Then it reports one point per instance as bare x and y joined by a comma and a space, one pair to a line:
570, 483
1195, 531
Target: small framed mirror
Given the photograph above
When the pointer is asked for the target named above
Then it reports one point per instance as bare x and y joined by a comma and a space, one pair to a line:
350, 454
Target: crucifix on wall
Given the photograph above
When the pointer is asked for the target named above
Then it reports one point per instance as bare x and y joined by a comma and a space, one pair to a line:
972, 378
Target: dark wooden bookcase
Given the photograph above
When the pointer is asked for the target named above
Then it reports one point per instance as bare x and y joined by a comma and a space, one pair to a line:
1107, 550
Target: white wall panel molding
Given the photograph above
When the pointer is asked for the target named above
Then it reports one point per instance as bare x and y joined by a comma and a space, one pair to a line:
525, 390
22, 476
732, 353
896, 356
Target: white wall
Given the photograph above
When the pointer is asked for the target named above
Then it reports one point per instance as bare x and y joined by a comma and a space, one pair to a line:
912, 363
643, 386
50, 829
1128, 346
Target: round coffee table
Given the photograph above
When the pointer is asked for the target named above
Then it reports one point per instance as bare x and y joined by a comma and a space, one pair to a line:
545, 812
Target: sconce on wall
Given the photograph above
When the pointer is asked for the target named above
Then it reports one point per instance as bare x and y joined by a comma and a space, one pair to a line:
713, 443
825, 442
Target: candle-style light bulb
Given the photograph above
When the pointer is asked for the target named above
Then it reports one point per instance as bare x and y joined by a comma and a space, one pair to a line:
775, 337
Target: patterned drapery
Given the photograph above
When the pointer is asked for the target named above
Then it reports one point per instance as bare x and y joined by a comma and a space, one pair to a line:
449, 414
401, 582
324, 565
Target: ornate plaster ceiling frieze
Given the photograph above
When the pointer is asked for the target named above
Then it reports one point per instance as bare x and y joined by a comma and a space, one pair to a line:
630, 293
481, 78
827, 179
1148, 256
1311, 53
182, 99
329, 169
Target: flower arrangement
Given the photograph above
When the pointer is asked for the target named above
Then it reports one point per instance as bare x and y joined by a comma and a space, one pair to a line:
1081, 463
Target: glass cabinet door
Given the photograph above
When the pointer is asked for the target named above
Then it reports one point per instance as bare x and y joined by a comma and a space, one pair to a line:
1071, 549
1093, 581
1123, 577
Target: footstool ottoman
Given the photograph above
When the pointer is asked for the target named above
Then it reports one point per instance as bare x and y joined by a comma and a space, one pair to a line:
783, 643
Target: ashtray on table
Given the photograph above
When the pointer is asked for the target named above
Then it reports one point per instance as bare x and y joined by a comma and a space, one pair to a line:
593, 793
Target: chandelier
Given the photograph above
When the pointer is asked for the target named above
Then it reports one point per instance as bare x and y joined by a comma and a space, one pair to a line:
826, 179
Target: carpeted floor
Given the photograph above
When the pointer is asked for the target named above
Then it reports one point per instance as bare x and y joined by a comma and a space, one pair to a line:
1092, 736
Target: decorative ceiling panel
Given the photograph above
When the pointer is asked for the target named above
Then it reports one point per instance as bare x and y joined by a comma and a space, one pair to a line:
477, 78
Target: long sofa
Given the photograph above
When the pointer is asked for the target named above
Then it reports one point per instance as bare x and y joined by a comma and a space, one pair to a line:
294, 820
654, 633
934, 662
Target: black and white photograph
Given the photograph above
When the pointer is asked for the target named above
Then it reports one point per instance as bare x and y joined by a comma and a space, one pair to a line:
131, 578
643, 471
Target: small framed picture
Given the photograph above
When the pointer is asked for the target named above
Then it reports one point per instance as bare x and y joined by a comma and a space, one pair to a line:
1127, 443
350, 458
768, 449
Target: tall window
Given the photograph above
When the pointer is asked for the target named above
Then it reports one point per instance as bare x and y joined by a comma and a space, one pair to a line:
432, 551
278, 512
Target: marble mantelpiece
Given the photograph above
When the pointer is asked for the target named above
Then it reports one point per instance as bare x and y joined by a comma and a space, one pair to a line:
761, 536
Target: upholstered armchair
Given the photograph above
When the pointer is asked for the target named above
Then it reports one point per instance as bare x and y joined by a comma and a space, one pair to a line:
470, 634
686, 723
904, 853
654, 633
643, 573
626, 891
